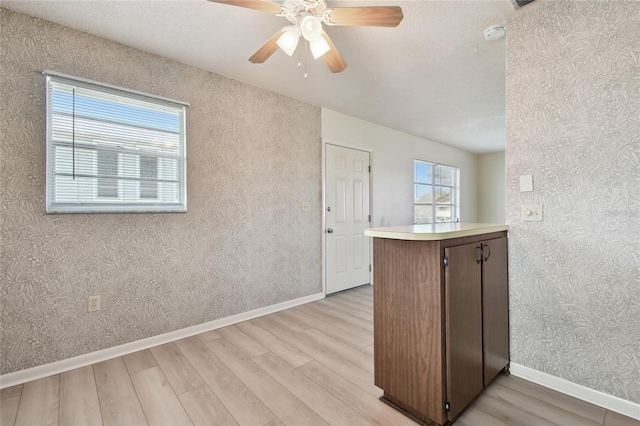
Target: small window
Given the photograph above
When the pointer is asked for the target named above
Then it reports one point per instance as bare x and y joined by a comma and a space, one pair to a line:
113, 150
435, 193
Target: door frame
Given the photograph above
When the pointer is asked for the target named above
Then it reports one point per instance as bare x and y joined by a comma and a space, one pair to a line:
325, 142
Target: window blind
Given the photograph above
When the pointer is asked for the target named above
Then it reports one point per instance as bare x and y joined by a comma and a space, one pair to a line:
109, 150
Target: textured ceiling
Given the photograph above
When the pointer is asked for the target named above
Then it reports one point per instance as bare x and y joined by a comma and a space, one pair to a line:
434, 76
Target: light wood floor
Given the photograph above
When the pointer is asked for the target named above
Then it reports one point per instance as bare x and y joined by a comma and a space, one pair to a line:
310, 365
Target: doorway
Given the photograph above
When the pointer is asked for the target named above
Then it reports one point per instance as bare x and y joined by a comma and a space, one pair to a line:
346, 217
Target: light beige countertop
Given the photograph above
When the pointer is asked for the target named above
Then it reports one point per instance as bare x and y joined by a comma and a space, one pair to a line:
435, 232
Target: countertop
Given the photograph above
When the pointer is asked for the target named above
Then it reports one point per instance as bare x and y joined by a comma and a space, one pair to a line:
435, 232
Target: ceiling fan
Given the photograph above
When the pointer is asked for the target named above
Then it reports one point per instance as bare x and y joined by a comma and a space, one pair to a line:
307, 17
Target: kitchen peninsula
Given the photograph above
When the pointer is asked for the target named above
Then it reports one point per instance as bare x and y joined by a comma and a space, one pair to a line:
441, 315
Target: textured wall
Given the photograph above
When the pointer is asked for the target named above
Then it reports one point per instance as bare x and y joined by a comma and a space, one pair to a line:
243, 244
573, 121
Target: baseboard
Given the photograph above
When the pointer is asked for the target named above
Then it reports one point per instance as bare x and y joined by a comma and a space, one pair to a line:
57, 367
610, 402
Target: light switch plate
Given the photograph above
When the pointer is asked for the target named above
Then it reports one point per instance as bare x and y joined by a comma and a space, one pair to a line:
305, 207
531, 213
526, 183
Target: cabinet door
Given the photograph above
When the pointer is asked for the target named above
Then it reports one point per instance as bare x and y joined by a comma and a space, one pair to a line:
463, 292
495, 307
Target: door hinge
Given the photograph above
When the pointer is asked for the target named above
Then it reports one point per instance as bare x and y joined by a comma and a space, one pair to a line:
447, 406
369, 218
369, 169
445, 262
369, 267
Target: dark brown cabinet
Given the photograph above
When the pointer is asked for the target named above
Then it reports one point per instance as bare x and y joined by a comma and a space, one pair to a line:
441, 331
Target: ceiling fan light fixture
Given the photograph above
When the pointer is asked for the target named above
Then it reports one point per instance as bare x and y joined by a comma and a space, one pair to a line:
319, 47
288, 41
311, 28
308, 18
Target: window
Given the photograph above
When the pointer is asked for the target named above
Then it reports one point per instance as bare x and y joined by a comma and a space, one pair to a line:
435, 193
113, 150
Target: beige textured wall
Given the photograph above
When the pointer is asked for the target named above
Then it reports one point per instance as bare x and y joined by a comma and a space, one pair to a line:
573, 121
253, 158
491, 208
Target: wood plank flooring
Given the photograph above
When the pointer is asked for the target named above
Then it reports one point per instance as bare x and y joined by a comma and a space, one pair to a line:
309, 365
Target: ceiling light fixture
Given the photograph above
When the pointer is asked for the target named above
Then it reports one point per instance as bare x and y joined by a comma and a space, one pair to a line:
319, 47
310, 27
288, 41
308, 18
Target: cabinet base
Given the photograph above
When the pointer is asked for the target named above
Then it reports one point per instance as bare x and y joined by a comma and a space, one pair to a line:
425, 421
413, 415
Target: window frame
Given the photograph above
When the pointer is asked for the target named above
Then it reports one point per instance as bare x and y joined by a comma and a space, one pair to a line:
115, 204
454, 187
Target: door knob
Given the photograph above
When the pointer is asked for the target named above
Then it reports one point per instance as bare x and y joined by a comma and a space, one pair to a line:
329, 231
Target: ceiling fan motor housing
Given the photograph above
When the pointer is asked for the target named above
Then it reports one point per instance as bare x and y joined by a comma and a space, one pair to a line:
294, 10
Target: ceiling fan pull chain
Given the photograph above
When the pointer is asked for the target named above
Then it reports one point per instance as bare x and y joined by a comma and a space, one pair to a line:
305, 60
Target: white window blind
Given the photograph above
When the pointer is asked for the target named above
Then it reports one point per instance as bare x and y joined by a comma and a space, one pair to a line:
111, 150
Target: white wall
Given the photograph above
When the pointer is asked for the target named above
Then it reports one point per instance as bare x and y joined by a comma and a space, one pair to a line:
392, 165
491, 188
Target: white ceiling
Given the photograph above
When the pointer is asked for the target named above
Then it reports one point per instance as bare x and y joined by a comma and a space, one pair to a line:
434, 76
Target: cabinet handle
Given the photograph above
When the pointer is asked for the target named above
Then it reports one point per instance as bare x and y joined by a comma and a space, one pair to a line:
489, 250
479, 247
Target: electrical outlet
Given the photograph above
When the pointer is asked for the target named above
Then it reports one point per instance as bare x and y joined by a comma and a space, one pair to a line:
305, 207
93, 303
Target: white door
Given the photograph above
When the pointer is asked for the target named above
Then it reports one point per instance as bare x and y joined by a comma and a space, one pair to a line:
347, 216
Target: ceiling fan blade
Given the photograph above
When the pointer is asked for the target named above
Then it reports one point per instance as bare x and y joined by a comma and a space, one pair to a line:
376, 16
266, 50
261, 5
334, 60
